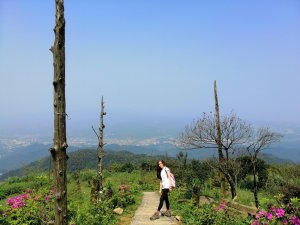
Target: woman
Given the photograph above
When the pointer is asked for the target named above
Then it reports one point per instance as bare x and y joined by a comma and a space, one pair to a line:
163, 173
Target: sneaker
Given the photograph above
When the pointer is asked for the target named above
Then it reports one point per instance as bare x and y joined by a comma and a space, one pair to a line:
167, 213
155, 216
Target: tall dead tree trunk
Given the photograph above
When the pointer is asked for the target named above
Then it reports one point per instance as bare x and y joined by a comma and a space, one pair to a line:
97, 186
218, 126
58, 151
100, 147
219, 137
255, 191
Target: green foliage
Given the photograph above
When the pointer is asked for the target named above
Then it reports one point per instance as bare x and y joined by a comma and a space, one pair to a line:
247, 171
148, 181
289, 192
80, 210
29, 208
281, 176
279, 213
122, 199
208, 214
148, 166
89, 214
17, 185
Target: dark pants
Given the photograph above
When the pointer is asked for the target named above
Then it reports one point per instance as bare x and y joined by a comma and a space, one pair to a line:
164, 197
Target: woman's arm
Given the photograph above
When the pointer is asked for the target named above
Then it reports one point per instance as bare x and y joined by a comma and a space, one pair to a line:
160, 187
169, 176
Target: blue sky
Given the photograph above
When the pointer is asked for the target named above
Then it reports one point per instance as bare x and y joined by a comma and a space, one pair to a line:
151, 60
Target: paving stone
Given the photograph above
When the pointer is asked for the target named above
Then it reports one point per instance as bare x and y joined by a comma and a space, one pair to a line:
147, 208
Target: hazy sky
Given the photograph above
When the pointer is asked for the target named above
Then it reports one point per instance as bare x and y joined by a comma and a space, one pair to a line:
151, 60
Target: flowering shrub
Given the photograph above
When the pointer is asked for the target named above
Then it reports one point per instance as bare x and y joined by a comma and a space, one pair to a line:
18, 201
286, 214
28, 208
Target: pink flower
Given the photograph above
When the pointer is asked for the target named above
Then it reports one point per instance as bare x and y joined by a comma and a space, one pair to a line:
256, 222
285, 222
295, 220
18, 201
269, 216
259, 215
279, 213
9, 201
222, 206
47, 198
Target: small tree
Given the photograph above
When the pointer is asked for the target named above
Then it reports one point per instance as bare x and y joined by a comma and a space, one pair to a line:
259, 140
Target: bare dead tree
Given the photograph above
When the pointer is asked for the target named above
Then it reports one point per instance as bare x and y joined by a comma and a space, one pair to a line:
58, 151
235, 132
260, 140
97, 186
203, 134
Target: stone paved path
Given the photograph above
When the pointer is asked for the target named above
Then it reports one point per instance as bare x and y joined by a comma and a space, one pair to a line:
147, 208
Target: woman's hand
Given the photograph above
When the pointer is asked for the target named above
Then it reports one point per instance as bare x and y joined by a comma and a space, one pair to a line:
160, 191
170, 189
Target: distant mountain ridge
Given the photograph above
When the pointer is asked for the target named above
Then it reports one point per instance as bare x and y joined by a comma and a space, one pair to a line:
26, 155
285, 152
23, 155
84, 159
87, 159
137, 136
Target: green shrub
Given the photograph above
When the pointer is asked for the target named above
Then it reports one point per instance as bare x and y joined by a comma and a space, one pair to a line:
122, 199
89, 214
28, 208
14, 188
209, 214
288, 192
2, 195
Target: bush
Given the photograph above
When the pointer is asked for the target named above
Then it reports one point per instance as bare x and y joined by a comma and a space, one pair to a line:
127, 167
210, 214
122, 199
282, 214
28, 208
89, 214
288, 192
14, 188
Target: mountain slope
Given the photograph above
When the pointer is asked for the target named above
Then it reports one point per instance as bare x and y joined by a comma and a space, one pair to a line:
84, 159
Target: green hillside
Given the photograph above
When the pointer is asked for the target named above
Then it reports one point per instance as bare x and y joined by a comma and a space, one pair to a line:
84, 159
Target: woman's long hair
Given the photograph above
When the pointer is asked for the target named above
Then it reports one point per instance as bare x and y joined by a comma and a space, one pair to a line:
158, 169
